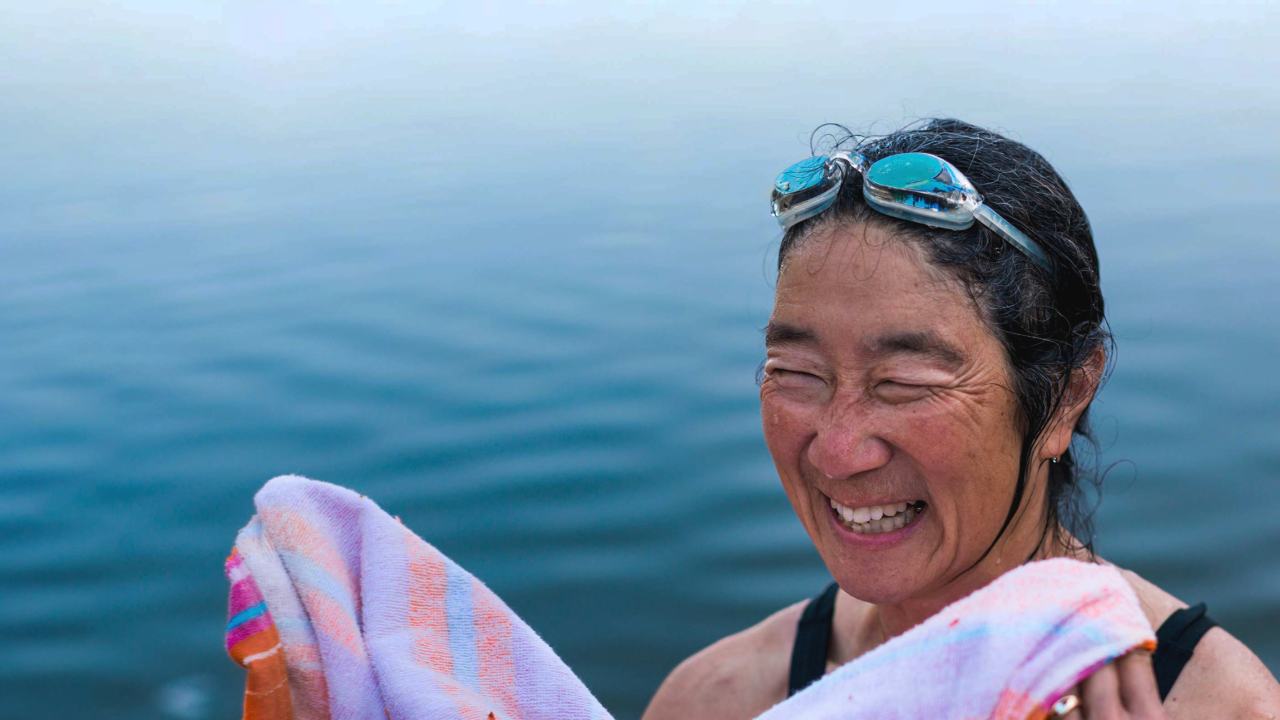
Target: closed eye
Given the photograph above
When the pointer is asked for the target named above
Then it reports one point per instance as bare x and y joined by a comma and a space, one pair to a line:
789, 379
892, 391
794, 375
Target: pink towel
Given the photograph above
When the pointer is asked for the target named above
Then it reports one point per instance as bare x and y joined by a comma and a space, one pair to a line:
375, 623
338, 611
1009, 650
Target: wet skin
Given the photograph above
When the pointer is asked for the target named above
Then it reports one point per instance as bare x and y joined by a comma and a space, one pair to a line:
884, 384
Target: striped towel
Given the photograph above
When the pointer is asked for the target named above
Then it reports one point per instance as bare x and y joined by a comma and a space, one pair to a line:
1007, 651
337, 610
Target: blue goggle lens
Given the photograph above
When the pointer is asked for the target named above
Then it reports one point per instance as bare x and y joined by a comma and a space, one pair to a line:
916, 172
804, 175
922, 188
805, 189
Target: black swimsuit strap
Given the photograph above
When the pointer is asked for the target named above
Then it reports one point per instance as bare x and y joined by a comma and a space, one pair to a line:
813, 641
1175, 642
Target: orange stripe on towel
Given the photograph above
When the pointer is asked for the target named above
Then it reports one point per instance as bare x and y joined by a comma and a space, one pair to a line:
292, 531
331, 619
497, 672
428, 588
428, 610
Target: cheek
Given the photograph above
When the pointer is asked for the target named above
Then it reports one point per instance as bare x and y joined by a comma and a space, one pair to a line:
961, 460
787, 429
930, 433
785, 425
962, 431
969, 467
942, 446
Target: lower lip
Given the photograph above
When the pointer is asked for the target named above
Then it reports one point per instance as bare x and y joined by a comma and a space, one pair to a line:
873, 540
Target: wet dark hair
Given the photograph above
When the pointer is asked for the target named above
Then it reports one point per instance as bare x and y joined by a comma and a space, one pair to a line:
1049, 323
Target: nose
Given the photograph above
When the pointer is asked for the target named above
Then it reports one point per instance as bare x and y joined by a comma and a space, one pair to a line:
846, 444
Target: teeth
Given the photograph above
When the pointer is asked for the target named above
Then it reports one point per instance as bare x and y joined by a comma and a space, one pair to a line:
877, 518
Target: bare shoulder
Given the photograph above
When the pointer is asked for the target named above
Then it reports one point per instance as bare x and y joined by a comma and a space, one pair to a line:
739, 676
1222, 679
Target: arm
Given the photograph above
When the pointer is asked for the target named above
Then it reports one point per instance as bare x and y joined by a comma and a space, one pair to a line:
1224, 679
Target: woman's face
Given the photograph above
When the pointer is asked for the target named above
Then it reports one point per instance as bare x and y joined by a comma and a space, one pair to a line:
884, 389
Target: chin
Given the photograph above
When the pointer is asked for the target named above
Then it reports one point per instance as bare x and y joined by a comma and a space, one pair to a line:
889, 567
877, 591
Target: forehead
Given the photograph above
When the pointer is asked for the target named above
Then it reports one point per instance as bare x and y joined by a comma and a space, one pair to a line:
860, 285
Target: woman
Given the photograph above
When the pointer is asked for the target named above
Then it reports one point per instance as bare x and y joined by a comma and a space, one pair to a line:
922, 387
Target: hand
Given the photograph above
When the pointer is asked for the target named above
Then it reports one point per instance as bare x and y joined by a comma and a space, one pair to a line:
1123, 690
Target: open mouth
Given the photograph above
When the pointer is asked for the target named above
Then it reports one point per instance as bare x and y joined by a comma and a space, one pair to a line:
874, 519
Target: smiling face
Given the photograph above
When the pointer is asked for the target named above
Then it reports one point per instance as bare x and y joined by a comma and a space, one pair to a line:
884, 387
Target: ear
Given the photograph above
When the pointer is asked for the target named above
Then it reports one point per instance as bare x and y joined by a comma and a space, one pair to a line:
1080, 391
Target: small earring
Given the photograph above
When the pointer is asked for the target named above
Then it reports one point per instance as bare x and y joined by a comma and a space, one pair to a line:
1055, 460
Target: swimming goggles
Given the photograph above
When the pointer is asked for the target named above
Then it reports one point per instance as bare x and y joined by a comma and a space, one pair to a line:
916, 186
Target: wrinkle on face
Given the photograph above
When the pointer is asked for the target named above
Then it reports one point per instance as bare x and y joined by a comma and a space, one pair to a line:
890, 418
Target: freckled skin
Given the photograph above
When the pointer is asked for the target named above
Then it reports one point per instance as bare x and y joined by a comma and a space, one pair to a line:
843, 421
848, 428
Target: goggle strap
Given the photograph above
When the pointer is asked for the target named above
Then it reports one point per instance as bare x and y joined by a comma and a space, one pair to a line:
1013, 235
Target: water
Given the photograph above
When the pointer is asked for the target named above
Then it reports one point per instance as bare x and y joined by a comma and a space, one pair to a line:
505, 272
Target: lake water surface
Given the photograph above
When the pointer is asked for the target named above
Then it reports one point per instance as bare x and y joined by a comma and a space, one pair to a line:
505, 271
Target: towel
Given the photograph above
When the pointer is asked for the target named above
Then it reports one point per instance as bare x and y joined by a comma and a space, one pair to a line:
336, 610
1008, 650
365, 620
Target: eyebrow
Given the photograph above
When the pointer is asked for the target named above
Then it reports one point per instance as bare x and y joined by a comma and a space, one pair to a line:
782, 334
922, 343
925, 344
